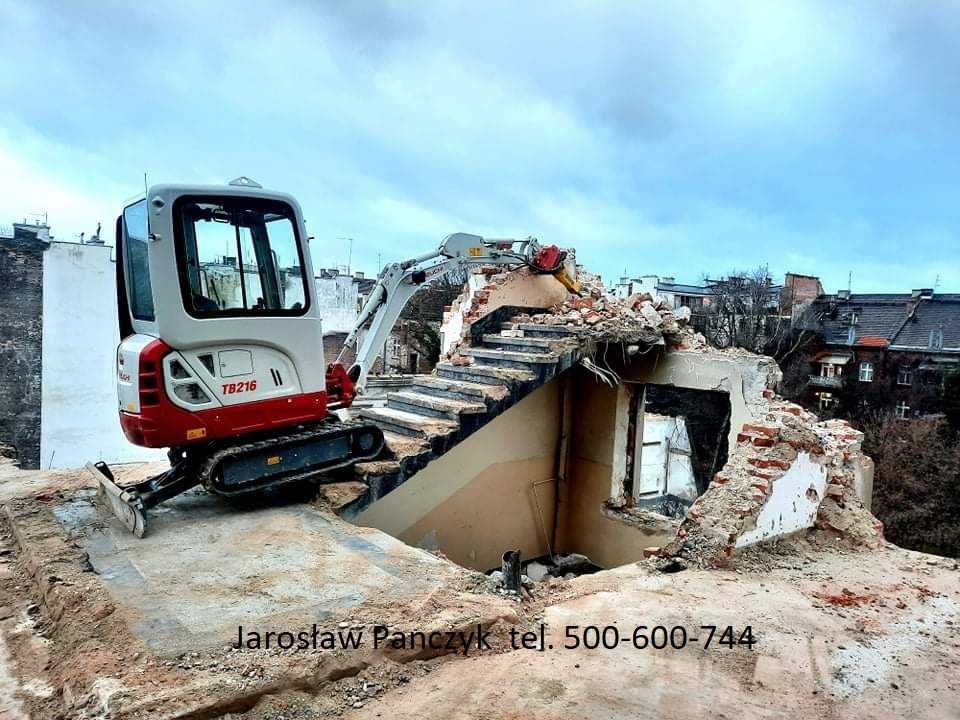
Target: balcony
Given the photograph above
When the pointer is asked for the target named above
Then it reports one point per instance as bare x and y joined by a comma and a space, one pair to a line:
827, 382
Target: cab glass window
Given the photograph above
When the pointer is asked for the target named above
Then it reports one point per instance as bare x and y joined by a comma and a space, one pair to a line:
238, 256
137, 261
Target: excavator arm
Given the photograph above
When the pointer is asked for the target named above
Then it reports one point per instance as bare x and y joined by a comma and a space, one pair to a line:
398, 282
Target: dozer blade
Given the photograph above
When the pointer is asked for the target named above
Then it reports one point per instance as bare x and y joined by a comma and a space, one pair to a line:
122, 503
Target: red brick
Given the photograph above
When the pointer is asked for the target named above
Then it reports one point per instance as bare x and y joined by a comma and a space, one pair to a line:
770, 432
765, 463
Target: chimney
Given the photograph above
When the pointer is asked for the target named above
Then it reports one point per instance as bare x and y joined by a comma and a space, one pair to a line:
843, 294
358, 275
916, 296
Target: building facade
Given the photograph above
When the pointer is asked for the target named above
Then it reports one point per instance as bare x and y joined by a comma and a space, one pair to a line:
22, 251
883, 351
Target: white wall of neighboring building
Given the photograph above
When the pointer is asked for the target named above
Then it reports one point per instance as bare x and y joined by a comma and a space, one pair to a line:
78, 420
337, 299
631, 286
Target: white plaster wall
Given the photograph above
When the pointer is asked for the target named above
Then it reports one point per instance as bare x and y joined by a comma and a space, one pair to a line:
791, 506
452, 324
79, 420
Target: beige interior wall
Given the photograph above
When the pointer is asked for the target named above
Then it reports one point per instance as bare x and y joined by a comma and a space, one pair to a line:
533, 291
495, 491
582, 526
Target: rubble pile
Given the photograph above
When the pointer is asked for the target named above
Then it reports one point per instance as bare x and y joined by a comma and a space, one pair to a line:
765, 451
593, 316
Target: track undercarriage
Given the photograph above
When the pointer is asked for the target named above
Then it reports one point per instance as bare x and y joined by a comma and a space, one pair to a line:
262, 463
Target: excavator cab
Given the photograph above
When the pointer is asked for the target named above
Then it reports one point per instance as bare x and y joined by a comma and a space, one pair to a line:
221, 352
214, 295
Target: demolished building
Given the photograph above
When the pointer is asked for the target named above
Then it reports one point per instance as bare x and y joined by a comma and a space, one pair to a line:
599, 428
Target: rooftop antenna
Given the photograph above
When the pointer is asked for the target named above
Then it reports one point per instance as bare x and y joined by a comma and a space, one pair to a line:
849, 280
349, 254
936, 283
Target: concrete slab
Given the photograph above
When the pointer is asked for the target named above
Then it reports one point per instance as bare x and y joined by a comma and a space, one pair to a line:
206, 567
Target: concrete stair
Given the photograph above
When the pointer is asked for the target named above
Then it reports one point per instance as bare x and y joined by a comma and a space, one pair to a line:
433, 406
436, 412
408, 423
520, 344
536, 330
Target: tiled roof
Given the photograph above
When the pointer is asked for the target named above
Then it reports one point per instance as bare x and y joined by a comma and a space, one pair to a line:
874, 320
884, 320
931, 317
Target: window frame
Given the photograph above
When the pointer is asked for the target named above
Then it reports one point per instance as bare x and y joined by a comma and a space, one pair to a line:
901, 372
279, 207
866, 368
126, 258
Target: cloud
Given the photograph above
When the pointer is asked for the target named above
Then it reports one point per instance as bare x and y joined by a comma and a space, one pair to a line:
681, 139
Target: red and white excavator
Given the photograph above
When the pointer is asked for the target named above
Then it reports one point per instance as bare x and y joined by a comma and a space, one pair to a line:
221, 353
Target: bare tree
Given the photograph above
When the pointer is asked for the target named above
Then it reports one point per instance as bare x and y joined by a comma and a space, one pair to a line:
744, 311
424, 312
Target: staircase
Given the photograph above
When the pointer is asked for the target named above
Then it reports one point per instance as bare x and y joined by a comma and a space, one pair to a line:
422, 422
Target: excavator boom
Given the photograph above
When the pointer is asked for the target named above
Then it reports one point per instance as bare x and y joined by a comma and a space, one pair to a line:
399, 282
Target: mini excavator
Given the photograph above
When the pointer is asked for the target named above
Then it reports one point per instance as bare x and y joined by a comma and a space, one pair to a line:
221, 355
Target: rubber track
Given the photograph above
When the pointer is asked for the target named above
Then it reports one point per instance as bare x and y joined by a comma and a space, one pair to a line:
209, 466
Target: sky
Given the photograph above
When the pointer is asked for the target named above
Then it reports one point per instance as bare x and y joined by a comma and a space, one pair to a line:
679, 139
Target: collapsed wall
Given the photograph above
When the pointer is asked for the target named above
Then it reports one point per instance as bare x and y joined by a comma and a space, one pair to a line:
785, 472
789, 472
